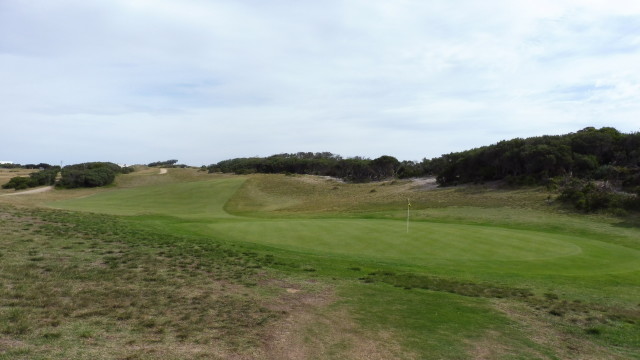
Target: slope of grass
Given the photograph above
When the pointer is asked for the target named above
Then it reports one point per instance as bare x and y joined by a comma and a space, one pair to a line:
78, 286
280, 195
202, 199
433, 290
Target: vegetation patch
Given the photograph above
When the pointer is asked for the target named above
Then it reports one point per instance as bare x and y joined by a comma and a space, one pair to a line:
39, 178
589, 196
119, 291
91, 174
410, 281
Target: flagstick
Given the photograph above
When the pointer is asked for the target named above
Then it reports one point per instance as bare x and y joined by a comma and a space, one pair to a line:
408, 208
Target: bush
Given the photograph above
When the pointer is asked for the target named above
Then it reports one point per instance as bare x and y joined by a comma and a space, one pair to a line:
589, 197
45, 177
73, 178
99, 177
90, 174
632, 203
19, 183
10, 166
166, 163
40, 178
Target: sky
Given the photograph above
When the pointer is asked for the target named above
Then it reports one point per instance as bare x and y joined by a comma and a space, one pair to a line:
137, 81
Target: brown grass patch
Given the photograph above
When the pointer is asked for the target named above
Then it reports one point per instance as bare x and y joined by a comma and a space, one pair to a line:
64, 295
488, 348
7, 174
544, 332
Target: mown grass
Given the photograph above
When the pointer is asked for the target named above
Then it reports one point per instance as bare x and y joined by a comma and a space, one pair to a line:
192, 200
479, 263
439, 325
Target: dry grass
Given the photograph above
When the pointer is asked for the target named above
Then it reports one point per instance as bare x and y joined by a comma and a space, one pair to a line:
7, 174
542, 329
488, 348
143, 176
316, 328
67, 291
300, 194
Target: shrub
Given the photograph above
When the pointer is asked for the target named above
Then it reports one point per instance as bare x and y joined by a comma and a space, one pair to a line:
90, 174
40, 178
589, 197
19, 183
166, 163
45, 177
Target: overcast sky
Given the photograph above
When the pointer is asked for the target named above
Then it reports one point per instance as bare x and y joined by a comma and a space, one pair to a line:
136, 81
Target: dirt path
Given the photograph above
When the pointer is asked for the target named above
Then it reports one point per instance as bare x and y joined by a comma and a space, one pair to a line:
29, 192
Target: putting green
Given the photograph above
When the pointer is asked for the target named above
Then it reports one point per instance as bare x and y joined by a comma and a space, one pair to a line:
464, 246
388, 238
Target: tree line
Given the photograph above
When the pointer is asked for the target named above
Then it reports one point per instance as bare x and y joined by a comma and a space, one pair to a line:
90, 174
43, 166
167, 164
599, 154
594, 169
356, 169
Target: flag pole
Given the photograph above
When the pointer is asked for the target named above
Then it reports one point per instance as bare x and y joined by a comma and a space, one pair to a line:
408, 209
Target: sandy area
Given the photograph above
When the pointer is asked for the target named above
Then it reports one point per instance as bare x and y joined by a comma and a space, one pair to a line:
28, 192
425, 183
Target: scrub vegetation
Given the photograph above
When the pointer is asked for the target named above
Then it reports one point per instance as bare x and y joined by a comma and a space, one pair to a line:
601, 154
194, 265
34, 179
596, 169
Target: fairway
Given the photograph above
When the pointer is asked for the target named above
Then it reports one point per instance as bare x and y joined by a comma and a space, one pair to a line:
202, 199
201, 207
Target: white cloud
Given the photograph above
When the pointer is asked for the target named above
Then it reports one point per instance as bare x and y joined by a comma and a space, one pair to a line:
218, 79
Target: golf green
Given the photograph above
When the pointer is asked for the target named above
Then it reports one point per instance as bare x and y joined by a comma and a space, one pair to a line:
470, 246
